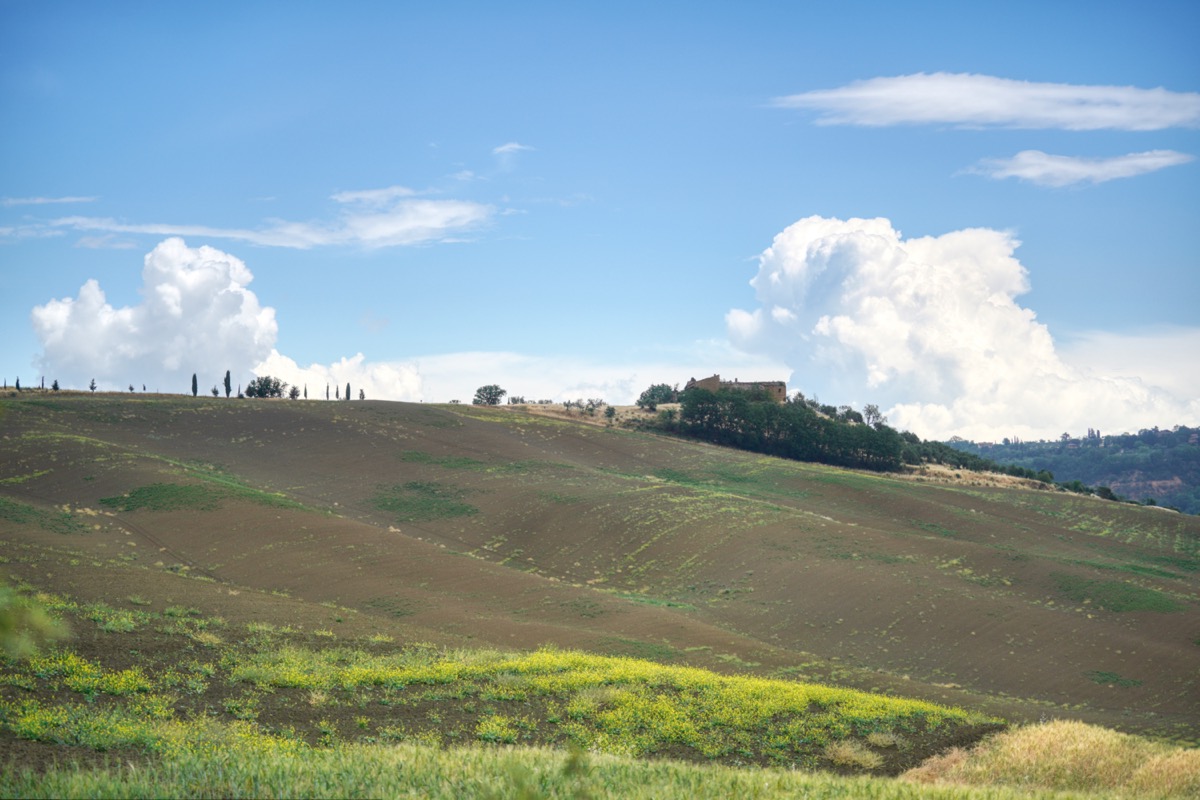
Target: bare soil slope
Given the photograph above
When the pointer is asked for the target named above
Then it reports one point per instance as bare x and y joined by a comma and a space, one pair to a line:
494, 526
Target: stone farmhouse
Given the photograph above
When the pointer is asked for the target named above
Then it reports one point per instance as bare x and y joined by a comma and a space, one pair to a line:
776, 390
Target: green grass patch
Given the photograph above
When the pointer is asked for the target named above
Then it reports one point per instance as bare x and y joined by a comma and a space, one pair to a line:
635, 648
1176, 562
22, 478
397, 607
422, 501
560, 498
217, 475
679, 476
207, 496
25, 514
646, 600
1111, 679
1135, 569
447, 462
435, 418
168, 497
1113, 595
940, 530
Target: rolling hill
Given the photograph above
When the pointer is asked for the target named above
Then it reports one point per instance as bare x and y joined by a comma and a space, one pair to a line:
495, 527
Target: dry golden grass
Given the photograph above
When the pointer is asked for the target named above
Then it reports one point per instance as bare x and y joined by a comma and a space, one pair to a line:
882, 739
207, 638
940, 473
1068, 756
849, 753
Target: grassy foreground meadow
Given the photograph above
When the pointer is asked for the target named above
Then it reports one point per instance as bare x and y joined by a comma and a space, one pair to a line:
413, 770
271, 712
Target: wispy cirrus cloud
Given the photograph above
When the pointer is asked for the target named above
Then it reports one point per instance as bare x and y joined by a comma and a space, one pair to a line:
373, 196
106, 241
1045, 169
508, 148
506, 154
371, 218
9, 202
981, 101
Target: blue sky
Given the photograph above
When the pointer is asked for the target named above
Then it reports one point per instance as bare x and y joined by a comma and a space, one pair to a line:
980, 217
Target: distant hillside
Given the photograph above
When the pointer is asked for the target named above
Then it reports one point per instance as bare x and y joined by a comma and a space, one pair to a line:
1153, 464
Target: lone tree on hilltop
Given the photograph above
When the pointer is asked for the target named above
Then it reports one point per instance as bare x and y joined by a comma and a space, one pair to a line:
872, 416
489, 395
658, 393
362, 395
347, 390
54, 386
228, 385
265, 386
92, 385
194, 386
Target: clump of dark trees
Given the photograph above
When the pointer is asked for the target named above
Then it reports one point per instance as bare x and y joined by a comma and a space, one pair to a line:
805, 430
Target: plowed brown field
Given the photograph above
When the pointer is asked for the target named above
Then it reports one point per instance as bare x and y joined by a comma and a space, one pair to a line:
496, 527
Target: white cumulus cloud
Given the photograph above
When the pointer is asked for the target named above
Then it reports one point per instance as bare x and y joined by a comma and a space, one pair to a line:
1053, 170
930, 329
377, 380
197, 315
979, 101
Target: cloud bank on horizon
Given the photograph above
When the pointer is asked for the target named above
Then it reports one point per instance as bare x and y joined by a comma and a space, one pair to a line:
199, 316
930, 329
